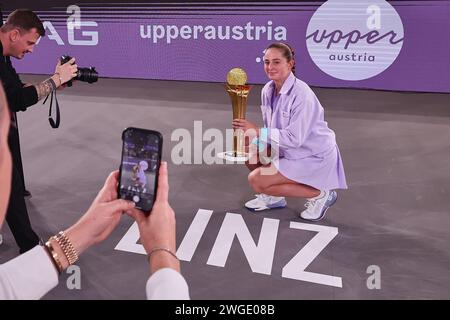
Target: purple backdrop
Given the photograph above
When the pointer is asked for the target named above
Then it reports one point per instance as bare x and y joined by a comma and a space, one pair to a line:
422, 65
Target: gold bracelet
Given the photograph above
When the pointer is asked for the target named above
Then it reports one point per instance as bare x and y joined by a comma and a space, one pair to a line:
161, 249
67, 247
54, 256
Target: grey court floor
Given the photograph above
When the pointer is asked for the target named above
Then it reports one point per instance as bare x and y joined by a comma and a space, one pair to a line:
389, 231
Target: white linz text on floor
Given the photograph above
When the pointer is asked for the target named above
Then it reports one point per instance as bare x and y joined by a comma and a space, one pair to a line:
259, 256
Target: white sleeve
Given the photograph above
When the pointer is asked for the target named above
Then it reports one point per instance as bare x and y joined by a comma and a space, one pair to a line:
167, 284
28, 276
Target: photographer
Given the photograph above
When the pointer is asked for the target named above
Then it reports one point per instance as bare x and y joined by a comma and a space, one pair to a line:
18, 36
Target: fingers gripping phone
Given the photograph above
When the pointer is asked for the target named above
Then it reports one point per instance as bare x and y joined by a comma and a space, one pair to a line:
139, 167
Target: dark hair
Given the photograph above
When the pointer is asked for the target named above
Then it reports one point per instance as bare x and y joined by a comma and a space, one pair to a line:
286, 50
25, 20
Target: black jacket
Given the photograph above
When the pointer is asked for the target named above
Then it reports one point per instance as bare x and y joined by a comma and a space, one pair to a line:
19, 97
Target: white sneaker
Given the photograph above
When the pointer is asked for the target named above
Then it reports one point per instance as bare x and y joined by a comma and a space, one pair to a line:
316, 207
265, 202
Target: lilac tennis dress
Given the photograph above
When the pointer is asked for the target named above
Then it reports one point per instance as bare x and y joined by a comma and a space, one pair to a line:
295, 124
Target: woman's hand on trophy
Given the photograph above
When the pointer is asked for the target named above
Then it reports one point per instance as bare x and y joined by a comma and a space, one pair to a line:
245, 126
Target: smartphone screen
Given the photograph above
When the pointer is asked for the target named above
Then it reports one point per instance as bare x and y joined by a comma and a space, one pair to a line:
141, 158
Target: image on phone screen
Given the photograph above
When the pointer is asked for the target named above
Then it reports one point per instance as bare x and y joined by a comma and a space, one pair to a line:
141, 156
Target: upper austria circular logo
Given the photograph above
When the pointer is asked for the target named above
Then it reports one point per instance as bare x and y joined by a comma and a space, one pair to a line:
354, 39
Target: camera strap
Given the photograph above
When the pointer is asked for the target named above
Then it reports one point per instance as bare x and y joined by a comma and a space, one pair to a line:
53, 123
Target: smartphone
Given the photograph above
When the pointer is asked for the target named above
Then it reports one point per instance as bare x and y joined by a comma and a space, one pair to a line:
139, 167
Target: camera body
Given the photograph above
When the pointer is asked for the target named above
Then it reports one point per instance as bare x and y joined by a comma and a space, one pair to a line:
89, 75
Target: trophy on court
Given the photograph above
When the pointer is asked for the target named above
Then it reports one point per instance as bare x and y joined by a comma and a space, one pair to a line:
238, 92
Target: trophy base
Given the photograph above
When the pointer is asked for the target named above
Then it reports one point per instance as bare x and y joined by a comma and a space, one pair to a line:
233, 157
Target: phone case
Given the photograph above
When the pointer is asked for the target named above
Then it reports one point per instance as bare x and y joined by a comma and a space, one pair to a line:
140, 162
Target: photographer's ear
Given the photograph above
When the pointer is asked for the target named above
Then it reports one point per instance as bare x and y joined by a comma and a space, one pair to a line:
14, 35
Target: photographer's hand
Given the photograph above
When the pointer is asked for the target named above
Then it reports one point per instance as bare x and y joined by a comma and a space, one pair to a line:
65, 72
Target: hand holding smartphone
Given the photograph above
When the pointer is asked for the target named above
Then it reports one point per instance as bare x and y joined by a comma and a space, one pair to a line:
139, 168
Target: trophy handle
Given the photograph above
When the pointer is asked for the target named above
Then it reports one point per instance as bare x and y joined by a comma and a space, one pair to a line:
238, 95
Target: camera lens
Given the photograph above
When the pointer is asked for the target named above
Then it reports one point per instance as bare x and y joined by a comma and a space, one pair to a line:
89, 75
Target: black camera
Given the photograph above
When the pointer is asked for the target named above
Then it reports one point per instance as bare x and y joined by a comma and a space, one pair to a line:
89, 75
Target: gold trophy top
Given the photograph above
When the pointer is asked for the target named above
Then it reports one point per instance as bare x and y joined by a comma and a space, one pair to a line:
236, 77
